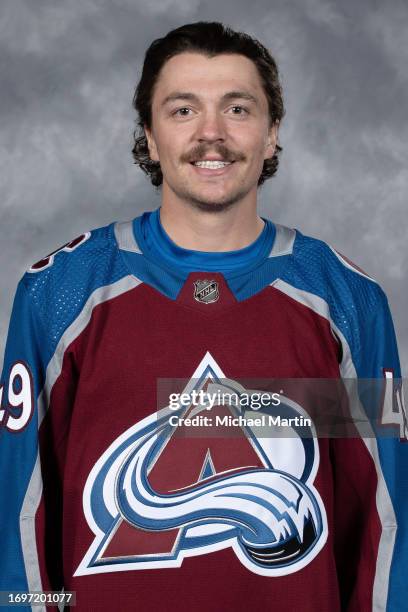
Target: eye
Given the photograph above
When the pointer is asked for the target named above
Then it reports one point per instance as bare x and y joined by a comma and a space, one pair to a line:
242, 110
180, 112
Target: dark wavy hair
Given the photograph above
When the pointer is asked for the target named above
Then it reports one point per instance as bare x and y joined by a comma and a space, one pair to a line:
210, 39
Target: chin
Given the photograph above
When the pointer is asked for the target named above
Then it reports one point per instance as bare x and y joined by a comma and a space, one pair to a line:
213, 204
211, 207
216, 199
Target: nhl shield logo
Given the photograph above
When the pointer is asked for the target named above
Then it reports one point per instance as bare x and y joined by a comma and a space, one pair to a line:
206, 291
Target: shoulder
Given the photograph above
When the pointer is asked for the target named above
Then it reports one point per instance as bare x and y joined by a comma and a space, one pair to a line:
332, 274
90, 258
60, 283
327, 281
70, 253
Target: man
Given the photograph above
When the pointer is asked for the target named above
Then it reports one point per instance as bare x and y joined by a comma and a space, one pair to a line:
108, 498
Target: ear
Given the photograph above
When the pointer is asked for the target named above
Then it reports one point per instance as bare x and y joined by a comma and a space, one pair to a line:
151, 143
271, 140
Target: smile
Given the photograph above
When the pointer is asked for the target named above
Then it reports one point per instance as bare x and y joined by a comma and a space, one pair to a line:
209, 163
211, 168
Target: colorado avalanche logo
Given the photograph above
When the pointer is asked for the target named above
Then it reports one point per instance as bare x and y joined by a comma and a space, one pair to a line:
154, 498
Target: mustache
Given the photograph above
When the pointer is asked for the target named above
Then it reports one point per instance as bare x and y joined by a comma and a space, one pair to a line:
201, 151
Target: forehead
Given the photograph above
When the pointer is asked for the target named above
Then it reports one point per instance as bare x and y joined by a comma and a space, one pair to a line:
208, 76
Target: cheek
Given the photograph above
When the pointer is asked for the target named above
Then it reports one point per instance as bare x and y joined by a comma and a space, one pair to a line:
171, 149
254, 144
257, 156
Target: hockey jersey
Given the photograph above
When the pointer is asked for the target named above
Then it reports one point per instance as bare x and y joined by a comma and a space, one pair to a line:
103, 494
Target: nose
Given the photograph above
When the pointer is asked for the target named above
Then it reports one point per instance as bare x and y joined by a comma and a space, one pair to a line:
210, 127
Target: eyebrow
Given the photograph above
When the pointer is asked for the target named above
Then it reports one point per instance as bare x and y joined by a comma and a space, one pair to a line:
230, 95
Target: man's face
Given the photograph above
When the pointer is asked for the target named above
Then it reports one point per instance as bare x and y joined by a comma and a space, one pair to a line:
210, 109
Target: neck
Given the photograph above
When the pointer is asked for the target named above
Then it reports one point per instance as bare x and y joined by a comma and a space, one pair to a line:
194, 229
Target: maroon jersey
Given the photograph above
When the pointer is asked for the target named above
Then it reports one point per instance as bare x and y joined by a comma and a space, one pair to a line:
120, 490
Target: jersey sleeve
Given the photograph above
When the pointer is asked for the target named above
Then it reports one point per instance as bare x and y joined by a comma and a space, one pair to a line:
379, 359
371, 475
25, 534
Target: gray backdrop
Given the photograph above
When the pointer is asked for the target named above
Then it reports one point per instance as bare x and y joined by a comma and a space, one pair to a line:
68, 72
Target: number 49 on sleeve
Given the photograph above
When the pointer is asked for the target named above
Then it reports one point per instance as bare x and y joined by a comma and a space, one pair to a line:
15, 415
393, 407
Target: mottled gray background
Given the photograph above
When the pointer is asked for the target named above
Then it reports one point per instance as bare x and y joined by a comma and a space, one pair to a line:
68, 71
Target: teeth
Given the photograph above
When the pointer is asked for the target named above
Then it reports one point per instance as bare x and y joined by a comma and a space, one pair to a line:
211, 164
